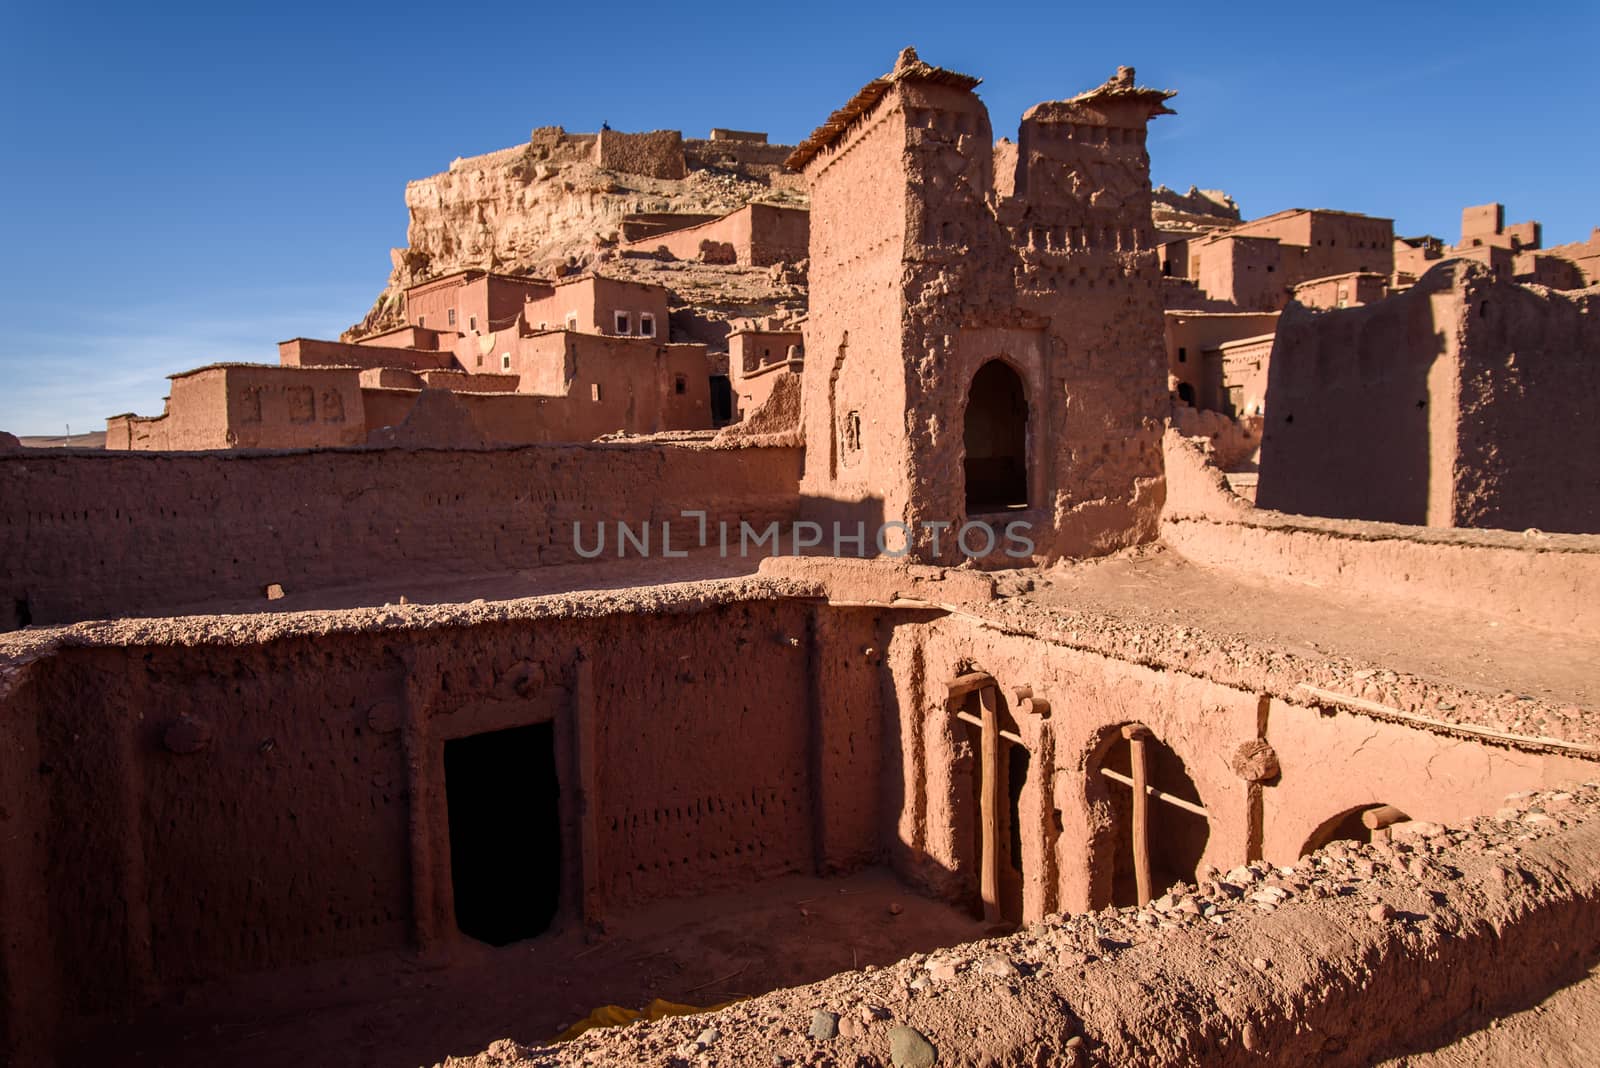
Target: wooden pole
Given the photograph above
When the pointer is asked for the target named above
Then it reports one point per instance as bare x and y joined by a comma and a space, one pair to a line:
989, 803
1136, 736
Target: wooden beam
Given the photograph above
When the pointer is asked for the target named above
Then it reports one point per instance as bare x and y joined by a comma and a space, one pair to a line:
1159, 795
1137, 737
989, 804
1376, 819
968, 717
962, 685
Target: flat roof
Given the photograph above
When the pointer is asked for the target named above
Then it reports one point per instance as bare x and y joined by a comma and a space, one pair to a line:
473, 273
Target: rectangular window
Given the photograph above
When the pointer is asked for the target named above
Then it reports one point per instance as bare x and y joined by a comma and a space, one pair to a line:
450, 317
572, 321
624, 322
472, 323
505, 361
594, 391
647, 325
680, 385
420, 319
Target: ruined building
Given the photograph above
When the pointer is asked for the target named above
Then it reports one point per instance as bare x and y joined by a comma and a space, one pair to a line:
454, 747
985, 326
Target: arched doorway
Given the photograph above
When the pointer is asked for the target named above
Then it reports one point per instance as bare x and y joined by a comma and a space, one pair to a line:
1144, 846
989, 815
996, 439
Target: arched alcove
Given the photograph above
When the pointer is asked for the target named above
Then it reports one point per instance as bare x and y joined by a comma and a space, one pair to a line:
1176, 830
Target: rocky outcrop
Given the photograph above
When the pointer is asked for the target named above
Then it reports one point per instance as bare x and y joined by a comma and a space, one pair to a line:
549, 207
1199, 211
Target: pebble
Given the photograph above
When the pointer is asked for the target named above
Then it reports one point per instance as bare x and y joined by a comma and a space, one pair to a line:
708, 1037
824, 1025
910, 1048
1380, 913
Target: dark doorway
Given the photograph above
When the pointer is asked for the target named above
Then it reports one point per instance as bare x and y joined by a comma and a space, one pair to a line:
996, 440
505, 832
1005, 795
721, 400
1177, 836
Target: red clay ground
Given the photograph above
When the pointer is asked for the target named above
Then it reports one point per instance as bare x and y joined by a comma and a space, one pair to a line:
396, 1011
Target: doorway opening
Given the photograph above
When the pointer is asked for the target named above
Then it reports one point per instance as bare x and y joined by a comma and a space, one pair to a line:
1160, 841
996, 438
505, 832
997, 775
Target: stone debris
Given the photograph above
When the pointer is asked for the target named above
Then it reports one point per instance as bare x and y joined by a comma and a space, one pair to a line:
910, 1048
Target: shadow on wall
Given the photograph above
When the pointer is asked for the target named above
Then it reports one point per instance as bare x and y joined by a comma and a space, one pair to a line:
1349, 410
847, 518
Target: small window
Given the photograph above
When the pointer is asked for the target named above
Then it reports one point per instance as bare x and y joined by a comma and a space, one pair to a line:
480, 359
852, 432
594, 391
624, 322
1183, 354
680, 385
472, 323
505, 361
543, 325
1270, 268
647, 325
420, 319
450, 317
572, 321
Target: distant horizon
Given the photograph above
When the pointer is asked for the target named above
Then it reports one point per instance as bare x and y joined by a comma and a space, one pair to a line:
193, 188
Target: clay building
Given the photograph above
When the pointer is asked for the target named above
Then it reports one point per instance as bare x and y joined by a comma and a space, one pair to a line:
1256, 264
758, 354
1196, 362
420, 754
595, 304
1341, 290
250, 406
469, 302
525, 360
1510, 252
1459, 403
1014, 339
756, 235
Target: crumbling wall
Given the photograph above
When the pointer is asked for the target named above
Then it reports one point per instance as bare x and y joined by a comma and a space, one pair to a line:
1527, 439
656, 154
111, 534
1361, 409
1457, 403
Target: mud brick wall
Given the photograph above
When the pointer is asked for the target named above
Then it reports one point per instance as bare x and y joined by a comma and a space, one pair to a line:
87, 534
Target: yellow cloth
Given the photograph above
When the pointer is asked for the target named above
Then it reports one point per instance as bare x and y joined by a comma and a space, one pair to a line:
616, 1015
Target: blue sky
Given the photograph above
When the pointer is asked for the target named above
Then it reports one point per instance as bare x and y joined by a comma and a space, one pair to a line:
186, 185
